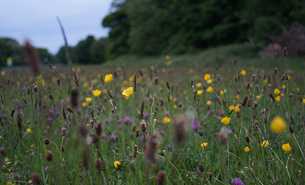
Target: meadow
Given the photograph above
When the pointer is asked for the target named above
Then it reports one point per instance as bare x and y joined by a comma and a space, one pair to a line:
170, 122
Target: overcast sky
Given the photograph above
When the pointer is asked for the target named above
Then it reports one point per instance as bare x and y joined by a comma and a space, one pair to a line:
36, 20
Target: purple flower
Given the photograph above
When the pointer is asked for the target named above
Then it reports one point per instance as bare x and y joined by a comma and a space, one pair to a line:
237, 181
195, 125
145, 115
126, 120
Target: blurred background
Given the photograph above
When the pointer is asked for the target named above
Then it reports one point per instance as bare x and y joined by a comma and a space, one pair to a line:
103, 30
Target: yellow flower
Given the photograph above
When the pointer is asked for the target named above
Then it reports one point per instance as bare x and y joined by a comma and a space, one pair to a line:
210, 89
225, 120
96, 92
278, 125
10, 183
247, 149
117, 164
88, 99
277, 98
304, 101
237, 108
222, 92
29, 131
131, 78
209, 81
204, 145
127, 92
84, 104
199, 92
258, 97
199, 85
207, 77
40, 81
166, 120
286, 148
108, 78
231, 107
243, 72
276, 92
265, 144
168, 60
209, 103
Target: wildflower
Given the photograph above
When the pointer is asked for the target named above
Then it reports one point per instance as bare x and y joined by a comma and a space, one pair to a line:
88, 100
237, 181
85, 104
10, 183
108, 78
247, 149
166, 120
151, 149
96, 92
304, 101
180, 130
126, 120
223, 134
231, 108
286, 147
127, 92
225, 120
236, 108
277, 98
258, 97
49, 155
278, 125
168, 60
161, 178
198, 85
29, 131
199, 92
265, 144
209, 81
204, 145
35, 179
117, 164
276, 92
74, 98
209, 103
40, 82
210, 89
222, 92
195, 125
237, 97
243, 72
207, 77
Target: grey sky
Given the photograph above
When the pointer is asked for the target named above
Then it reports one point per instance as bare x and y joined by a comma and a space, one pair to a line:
36, 20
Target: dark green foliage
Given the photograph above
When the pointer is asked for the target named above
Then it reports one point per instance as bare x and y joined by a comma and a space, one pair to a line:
11, 50
45, 56
118, 22
86, 51
152, 27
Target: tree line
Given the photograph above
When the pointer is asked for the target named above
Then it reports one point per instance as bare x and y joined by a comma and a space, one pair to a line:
156, 27
153, 27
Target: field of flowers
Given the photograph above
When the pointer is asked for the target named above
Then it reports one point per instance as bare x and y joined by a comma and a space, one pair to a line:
153, 125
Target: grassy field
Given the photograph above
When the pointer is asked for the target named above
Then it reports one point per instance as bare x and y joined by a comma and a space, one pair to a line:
223, 116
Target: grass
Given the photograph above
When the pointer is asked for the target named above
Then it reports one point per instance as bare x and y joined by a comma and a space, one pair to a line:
242, 55
157, 133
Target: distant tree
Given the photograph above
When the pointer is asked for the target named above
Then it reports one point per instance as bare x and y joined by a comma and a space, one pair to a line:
45, 56
86, 51
10, 48
118, 23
